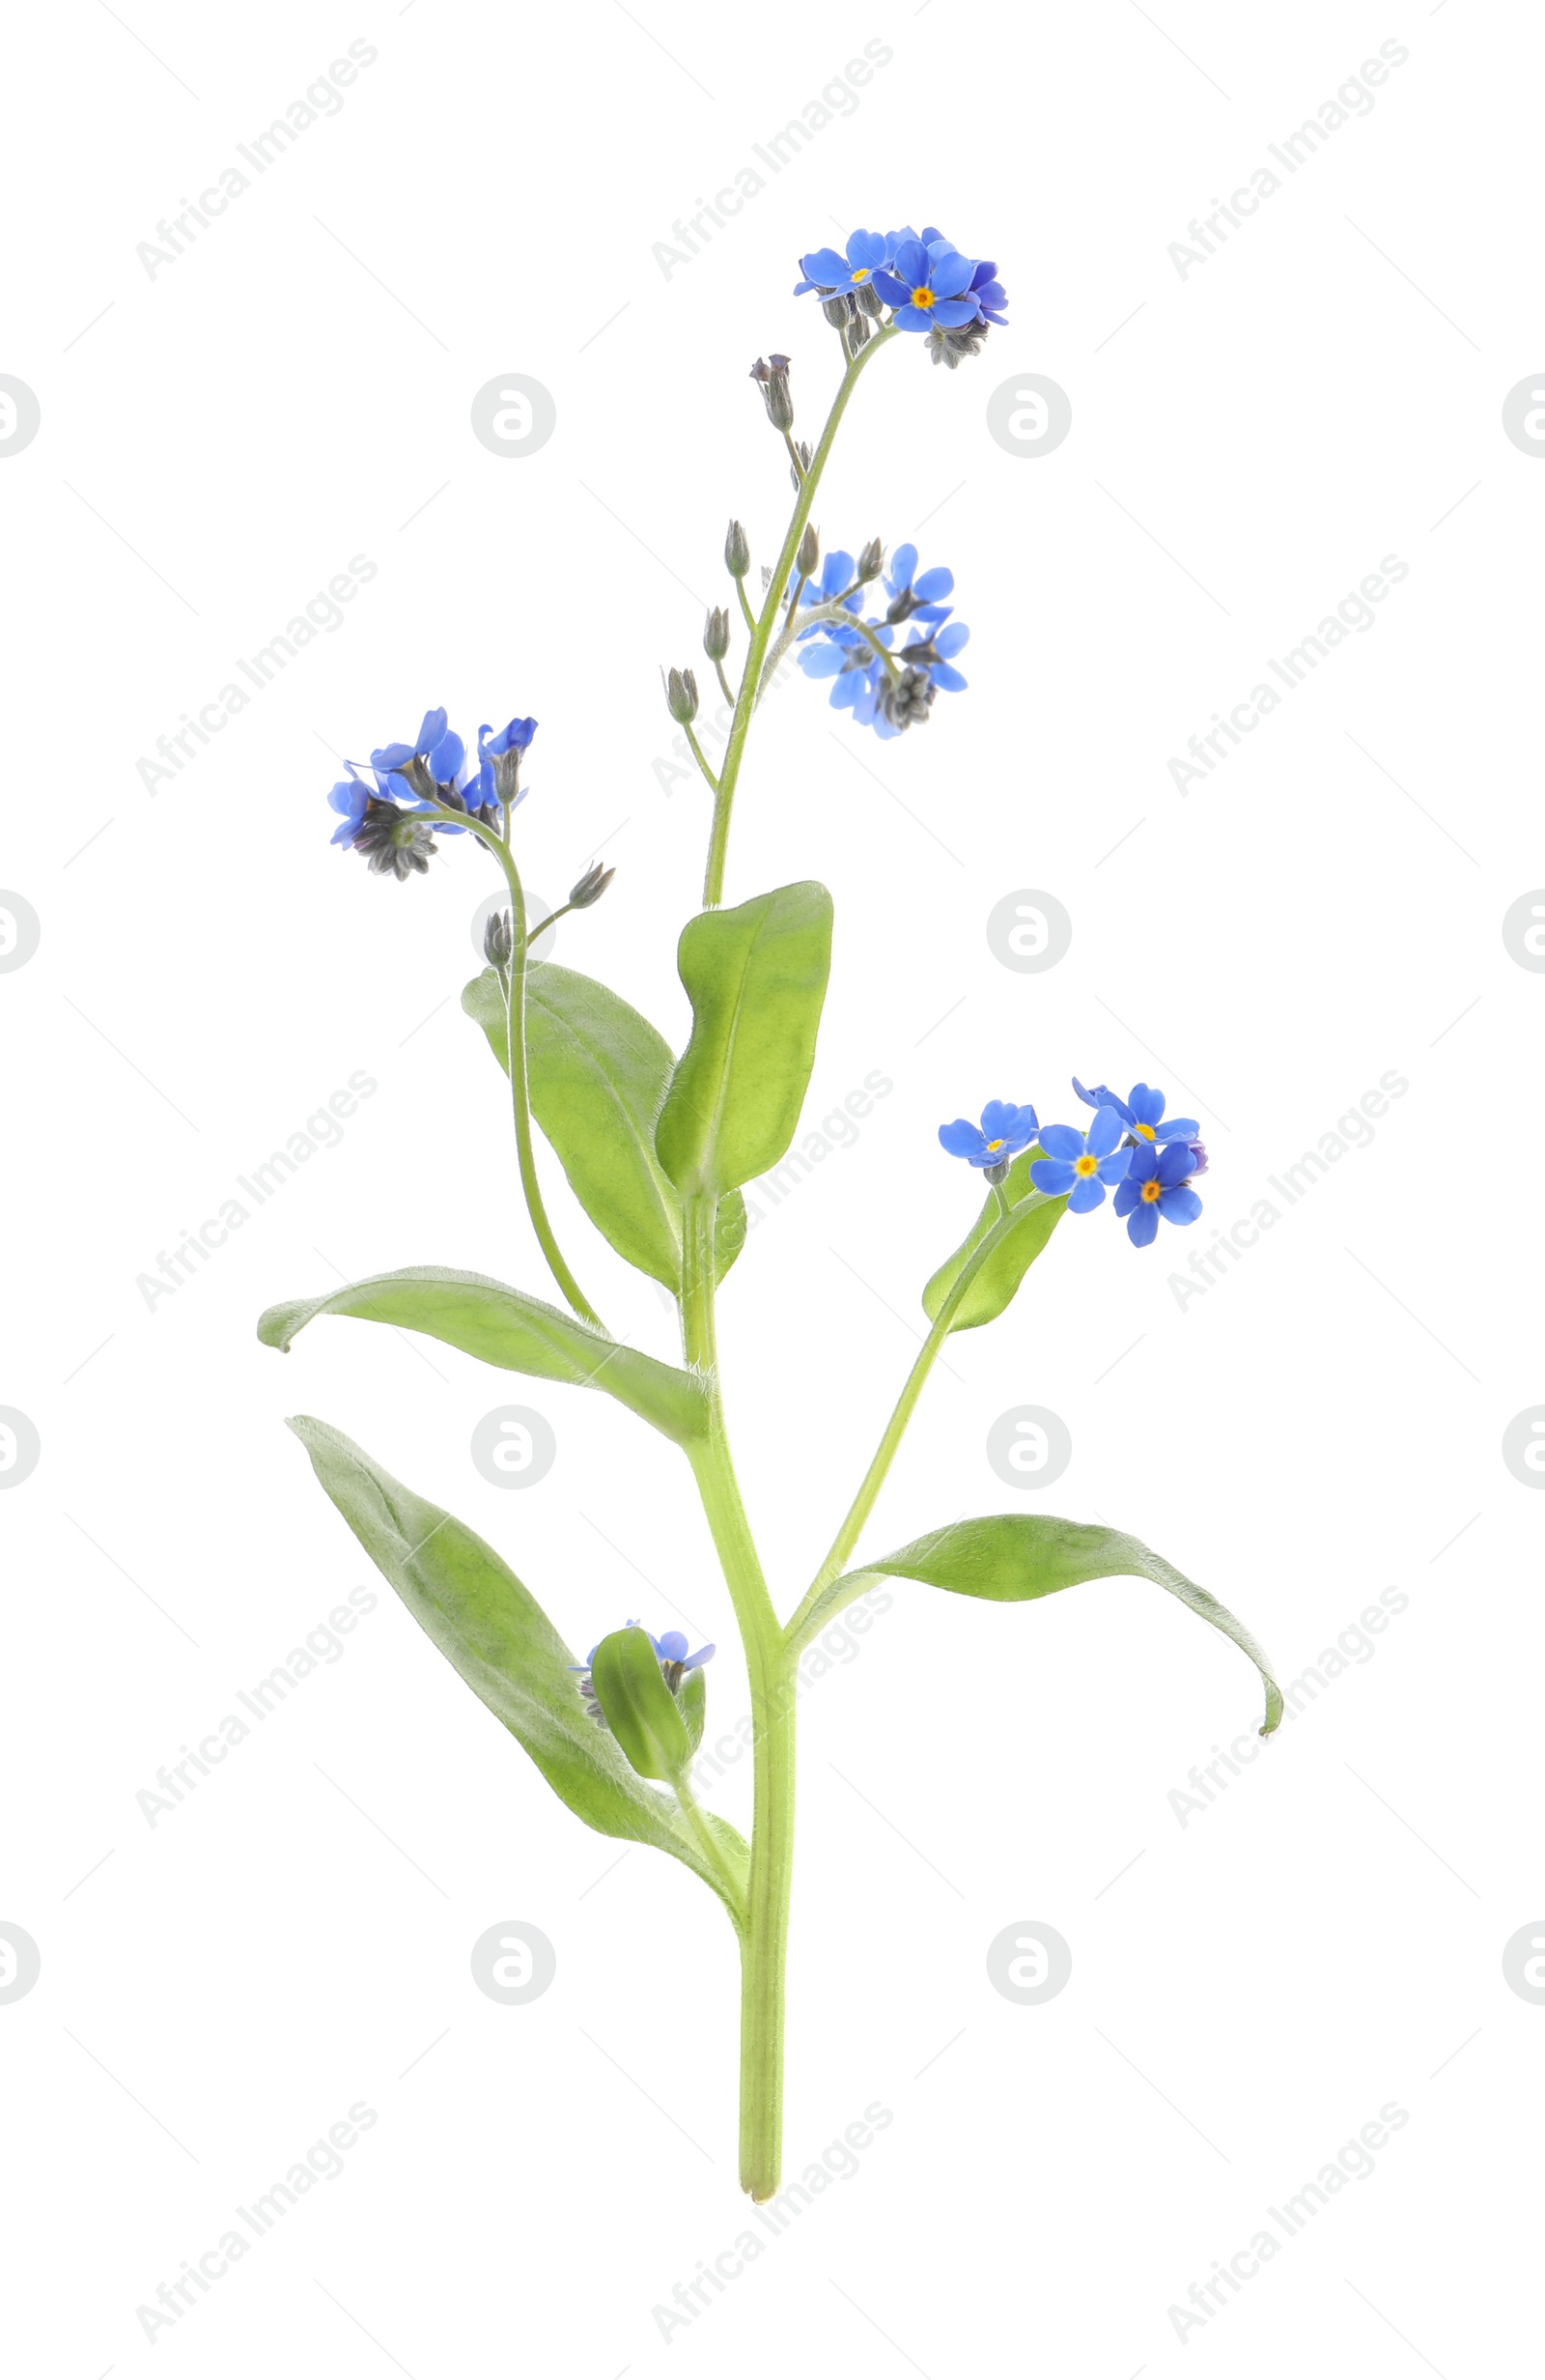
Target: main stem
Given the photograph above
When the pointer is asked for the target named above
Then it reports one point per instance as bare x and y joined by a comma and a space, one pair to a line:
761, 635
765, 1929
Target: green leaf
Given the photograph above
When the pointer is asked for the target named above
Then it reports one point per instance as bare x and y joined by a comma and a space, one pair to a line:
1018, 1557
504, 1326
497, 1638
994, 1287
641, 1711
693, 1700
598, 1073
756, 977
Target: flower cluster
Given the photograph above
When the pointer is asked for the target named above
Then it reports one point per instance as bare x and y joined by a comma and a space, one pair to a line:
931, 288
670, 1650
886, 687
385, 820
1130, 1147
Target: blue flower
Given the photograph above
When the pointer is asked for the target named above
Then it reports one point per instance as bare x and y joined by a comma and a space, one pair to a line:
990, 294
1157, 1184
515, 736
834, 274
670, 1650
833, 579
351, 797
392, 756
1003, 1131
1140, 1111
935, 657
914, 598
925, 287
1082, 1164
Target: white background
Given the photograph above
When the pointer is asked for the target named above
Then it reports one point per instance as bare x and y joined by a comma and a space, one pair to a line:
1324, 1422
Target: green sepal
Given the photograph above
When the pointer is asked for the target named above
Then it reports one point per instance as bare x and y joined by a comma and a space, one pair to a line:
598, 1073
1018, 1557
641, 1711
497, 1636
993, 1288
506, 1327
756, 977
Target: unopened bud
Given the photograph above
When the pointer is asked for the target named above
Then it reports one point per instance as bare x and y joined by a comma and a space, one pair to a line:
838, 311
717, 635
807, 561
737, 552
870, 559
771, 377
869, 301
800, 469
498, 939
590, 886
681, 697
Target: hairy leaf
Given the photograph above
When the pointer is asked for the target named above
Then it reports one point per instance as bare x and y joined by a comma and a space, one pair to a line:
504, 1326
756, 977
599, 1072
497, 1636
1018, 1557
994, 1287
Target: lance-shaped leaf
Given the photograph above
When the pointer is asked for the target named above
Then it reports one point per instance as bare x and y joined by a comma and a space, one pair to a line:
497, 1636
756, 977
504, 1326
599, 1073
992, 1288
641, 1711
1018, 1557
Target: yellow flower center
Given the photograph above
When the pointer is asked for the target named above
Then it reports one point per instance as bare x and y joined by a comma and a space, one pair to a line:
1146, 1131
860, 272
923, 296
1151, 1190
1085, 1165
993, 1145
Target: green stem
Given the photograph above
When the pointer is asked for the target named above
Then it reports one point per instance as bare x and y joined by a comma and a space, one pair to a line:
697, 754
538, 930
800, 1629
513, 987
764, 1935
762, 633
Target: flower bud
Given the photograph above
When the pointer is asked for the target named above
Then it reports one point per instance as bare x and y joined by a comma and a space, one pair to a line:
638, 1706
807, 561
771, 377
737, 552
800, 470
838, 310
869, 301
590, 886
681, 697
717, 635
869, 561
908, 700
498, 939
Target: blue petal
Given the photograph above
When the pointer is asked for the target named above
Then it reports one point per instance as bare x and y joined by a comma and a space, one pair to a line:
1054, 1174
1061, 1141
1143, 1226
1180, 1204
903, 562
389, 757
961, 1139
952, 640
1144, 1162
1147, 1106
949, 274
944, 674
894, 293
825, 266
913, 317
953, 313
695, 1660
821, 660
672, 1646
1105, 1131
431, 730
1115, 1167
446, 759
1178, 1128
934, 583
1173, 1162
346, 833
1090, 1194
1129, 1193
911, 263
